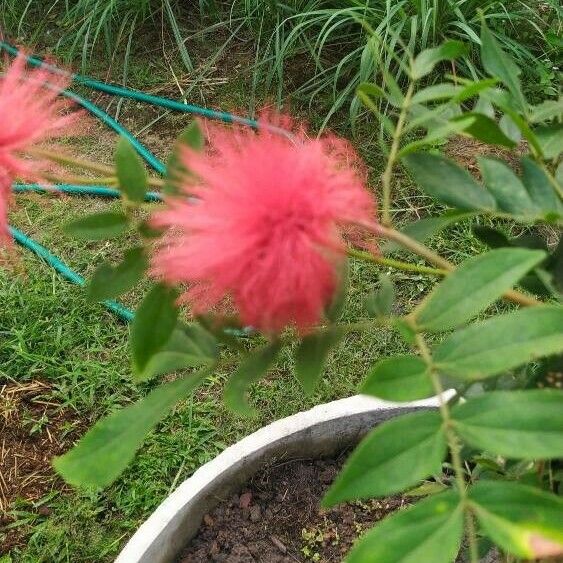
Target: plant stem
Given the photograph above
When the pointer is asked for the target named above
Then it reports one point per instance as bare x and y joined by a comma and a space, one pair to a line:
414, 246
387, 176
82, 180
431, 256
453, 445
107, 171
71, 161
396, 264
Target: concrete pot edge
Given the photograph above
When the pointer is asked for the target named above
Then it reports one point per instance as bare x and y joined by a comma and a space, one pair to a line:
156, 540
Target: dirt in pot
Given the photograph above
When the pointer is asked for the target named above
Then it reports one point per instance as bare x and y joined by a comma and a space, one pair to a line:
277, 518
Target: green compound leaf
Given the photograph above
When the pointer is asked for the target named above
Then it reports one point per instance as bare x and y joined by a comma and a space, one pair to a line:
131, 172
540, 189
311, 356
368, 93
522, 520
384, 464
502, 343
254, 366
435, 92
152, 327
191, 137
498, 64
440, 133
429, 531
516, 424
550, 138
448, 183
426, 60
111, 281
98, 226
188, 346
107, 448
506, 188
485, 129
380, 302
473, 286
401, 378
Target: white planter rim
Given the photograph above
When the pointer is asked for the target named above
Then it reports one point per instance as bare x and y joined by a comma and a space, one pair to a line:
322, 430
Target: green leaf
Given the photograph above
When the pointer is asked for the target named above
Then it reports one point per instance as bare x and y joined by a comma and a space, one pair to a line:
547, 110
426, 60
383, 464
405, 330
429, 531
510, 129
517, 424
506, 187
539, 188
502, 343
485, 106
380, 302
188, 346
473, 89
505, 103
110, 281
98, 226
152, 327
254, 366
394, 91
438, 134
368, 92
487, 275
485, 129
445, 181
550, 139
498, 64
335, 309
522, 520
191, 137
442, 91
131, 172
401, 378
426, 489
422, 117
107, 448
312, 354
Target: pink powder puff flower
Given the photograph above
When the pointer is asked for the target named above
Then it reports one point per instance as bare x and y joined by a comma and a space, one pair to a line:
30, 113
264, 228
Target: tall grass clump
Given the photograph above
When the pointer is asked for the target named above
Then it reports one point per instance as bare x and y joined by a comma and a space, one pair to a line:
82, 26
325, 48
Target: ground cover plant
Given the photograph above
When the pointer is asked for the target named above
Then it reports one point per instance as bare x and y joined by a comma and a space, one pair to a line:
367, 94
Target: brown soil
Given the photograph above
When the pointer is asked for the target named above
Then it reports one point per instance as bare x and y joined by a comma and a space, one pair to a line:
32, 431
466, 151
277, 519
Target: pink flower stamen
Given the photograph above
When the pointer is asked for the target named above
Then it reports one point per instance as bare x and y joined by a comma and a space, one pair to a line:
265, 232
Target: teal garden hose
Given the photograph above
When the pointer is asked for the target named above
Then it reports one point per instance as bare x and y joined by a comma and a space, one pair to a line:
101, 191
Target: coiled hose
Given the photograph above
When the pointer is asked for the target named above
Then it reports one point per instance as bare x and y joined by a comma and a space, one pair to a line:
101, 191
